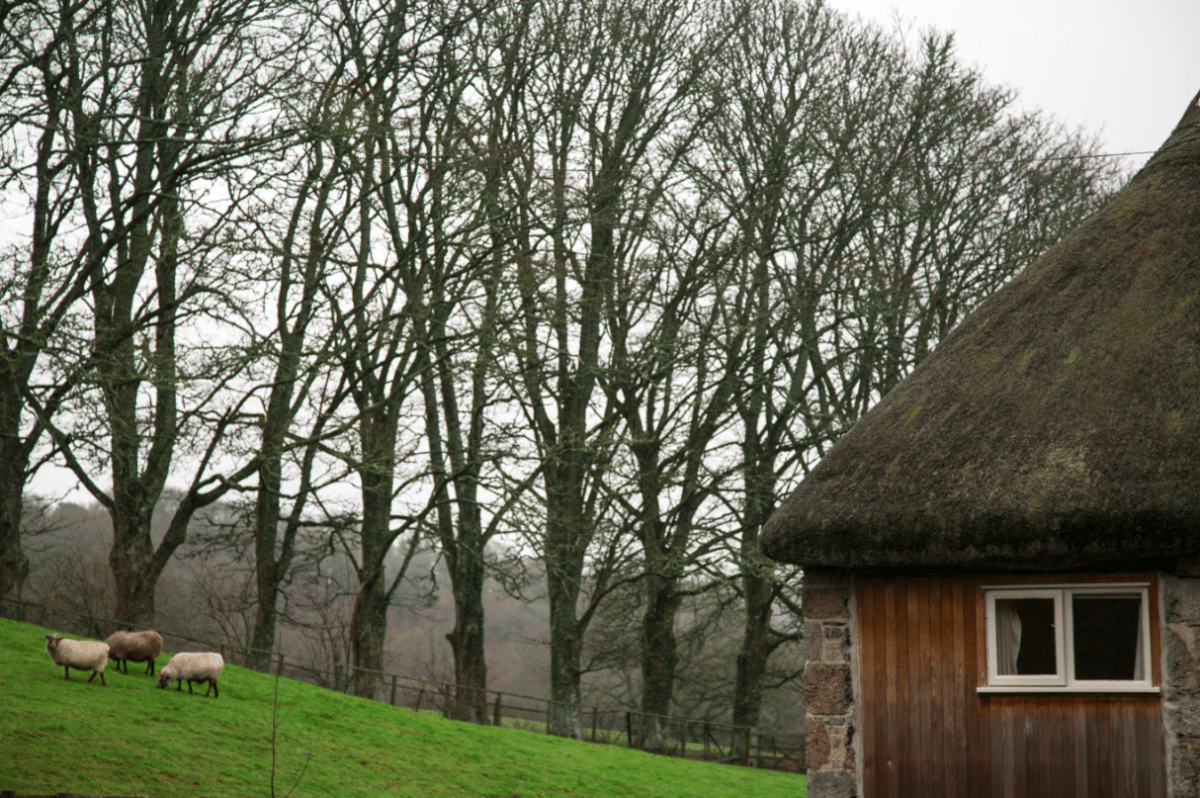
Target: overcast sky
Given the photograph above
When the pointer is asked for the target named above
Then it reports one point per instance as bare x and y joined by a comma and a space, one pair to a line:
1124, 68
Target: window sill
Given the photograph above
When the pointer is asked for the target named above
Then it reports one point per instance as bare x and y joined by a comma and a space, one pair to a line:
1109, 689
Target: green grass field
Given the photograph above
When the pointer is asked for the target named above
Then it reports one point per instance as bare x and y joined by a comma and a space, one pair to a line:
130, 739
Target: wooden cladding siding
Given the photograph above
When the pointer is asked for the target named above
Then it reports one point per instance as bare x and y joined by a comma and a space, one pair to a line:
925, 731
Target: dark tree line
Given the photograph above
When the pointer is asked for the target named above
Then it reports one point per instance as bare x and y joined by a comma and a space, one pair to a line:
591, 282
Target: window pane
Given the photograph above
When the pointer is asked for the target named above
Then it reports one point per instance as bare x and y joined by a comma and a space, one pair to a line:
1107, 636
1025, 637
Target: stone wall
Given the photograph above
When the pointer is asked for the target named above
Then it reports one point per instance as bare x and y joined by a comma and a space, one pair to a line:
1179, 602
829, 676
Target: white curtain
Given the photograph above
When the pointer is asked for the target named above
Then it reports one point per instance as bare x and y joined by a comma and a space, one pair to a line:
1139, 672
1008, 637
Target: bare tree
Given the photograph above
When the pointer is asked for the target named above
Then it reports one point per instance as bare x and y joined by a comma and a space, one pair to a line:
318, 612
43, 277
315, 181
981, 192
791, 155
676, 370
468, 424
70, 570
822, 146
405, 70
163, 98
223, 589
612, 95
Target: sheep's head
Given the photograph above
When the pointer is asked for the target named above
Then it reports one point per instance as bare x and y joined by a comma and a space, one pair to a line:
52, 642
164, 679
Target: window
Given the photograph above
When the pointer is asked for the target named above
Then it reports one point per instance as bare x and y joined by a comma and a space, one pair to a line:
1081, 638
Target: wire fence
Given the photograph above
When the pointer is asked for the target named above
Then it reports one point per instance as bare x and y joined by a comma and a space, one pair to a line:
670, 736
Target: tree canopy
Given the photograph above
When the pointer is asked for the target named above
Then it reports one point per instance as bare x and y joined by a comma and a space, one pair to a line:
588, 282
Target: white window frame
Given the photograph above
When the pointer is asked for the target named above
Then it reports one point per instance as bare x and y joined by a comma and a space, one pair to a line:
1063, 681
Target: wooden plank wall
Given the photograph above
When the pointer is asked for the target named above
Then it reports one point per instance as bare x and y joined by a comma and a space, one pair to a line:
927, 732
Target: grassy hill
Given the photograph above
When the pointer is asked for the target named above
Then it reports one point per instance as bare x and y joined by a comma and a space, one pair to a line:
131, 739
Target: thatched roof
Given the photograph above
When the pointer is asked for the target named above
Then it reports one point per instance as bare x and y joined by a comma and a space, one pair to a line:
1058, 426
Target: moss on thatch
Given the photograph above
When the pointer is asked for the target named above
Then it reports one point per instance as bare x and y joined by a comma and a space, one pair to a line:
1056, 427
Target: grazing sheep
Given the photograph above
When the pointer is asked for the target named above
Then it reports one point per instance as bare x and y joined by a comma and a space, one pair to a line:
193, 667
82, 655
126, 647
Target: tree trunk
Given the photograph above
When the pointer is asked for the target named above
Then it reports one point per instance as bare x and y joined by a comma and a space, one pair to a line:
368, 621
466, 640
752, 658
564, 574
757, 588
262, 637
14, 565
465, 559
368, 628
131, 560
659, 661
269, 572
566, 717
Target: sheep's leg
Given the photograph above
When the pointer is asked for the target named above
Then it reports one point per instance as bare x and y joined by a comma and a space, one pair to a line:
149, 668
66, 671
93, 676
179, 686
190, 687
212, 685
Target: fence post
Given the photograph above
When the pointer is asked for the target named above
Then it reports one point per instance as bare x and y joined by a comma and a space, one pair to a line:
683, 737
393, 689
706, 734
496, 713
629, 729
420, 695
280, 671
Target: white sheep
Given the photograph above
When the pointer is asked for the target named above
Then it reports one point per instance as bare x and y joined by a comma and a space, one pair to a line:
193, 667
126, 647
82, 655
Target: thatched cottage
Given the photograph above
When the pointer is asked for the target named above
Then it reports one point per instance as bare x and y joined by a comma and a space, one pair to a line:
1002, 558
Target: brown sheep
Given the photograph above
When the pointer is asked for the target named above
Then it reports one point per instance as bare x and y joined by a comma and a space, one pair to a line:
126, 647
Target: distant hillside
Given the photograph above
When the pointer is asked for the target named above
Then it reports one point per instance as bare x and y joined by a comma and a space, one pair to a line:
208, 593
